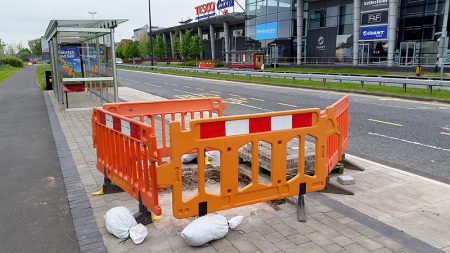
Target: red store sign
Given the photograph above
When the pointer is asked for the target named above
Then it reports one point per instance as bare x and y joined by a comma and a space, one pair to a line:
205, 8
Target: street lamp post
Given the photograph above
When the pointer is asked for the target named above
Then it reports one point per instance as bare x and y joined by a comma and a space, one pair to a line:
150, 32
92, 13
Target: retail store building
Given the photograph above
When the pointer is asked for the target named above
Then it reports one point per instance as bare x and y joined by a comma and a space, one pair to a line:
352, 32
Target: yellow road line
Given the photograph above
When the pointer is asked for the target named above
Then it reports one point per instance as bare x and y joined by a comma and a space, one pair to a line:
444, 133
234, 95
288, 105
385, 122
199, 89
257, 99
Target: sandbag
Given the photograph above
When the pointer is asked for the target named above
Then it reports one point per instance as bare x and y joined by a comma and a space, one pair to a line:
138, 233
207, 228
118, 221
121, 223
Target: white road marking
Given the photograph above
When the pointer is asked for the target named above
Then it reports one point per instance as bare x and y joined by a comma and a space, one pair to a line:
257, 99
385, 122
149, 84
410, 142
294, 106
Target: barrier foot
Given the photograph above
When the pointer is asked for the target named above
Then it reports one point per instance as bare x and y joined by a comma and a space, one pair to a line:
336, 189
202, 209
352, 166
301, 213
143, 215
108, 187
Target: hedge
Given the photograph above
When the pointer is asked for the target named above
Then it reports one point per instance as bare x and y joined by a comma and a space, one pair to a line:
13, 61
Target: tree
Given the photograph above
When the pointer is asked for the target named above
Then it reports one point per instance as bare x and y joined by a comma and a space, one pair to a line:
24, 54
132, 49
2, 47
120, 50
35, 46
176, 45
160, 49
183, 48
196, 47
144, 46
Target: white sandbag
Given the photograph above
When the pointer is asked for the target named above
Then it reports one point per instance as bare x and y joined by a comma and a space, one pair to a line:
235, 221
207, 228
188, 158
138, 233
119, 221
204, 229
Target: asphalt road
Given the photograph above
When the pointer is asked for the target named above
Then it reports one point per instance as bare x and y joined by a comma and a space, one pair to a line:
34, 211
409, 135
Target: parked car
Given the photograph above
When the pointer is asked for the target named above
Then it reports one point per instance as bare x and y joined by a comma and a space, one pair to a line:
32, 61
119, 61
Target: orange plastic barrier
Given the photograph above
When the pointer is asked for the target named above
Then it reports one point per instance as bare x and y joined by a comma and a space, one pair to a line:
206, 65
126, 155
158, 112
335, 142
228, 134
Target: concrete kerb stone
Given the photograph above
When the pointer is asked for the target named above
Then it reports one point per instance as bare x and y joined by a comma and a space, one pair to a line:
88, 235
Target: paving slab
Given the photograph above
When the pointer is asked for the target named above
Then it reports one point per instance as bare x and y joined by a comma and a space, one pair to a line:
335, 222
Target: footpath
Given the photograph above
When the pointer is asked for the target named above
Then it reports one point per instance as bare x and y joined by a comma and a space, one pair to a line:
34, 213
391, 211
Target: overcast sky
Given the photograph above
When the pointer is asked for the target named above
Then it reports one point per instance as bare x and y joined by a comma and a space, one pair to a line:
24, 20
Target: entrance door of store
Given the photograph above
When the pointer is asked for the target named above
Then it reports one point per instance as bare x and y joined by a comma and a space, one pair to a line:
274, 54
408, 53
364, 54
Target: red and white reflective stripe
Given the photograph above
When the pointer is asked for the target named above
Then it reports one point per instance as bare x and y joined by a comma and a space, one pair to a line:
254, 125
109, 121
125, 127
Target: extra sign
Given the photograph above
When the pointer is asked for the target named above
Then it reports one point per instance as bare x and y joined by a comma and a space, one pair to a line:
373, 32
223, 4
374, 18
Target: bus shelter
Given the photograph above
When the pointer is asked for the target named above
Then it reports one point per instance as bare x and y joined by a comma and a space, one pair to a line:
82, 54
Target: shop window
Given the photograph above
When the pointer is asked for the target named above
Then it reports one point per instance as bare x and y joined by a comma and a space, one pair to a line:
272, 6
271, 18
284, 15
284, 29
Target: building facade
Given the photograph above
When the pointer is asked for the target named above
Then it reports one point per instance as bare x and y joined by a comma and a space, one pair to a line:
353, 32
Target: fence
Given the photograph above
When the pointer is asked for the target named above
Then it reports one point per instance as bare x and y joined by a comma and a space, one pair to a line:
402, 81
128, 154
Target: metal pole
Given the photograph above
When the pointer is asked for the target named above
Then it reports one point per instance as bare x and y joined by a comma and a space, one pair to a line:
150, 32
356, 25
226, 29
300, 10
113, 52
213, 40
443, 40
392, 33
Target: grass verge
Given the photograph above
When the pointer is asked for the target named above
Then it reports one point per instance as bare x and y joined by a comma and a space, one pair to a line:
357, 71
6, 71
411, 92
40, 73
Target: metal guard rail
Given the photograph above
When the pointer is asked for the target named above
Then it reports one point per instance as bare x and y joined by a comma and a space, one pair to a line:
323, 77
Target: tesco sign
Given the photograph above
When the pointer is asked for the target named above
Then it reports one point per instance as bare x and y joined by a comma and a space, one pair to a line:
205, 8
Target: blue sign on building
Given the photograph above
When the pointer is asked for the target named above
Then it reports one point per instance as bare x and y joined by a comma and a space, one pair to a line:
223, 4
373, 32
267, 31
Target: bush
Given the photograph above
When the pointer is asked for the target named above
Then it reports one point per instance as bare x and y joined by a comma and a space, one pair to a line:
13, 61
192, 63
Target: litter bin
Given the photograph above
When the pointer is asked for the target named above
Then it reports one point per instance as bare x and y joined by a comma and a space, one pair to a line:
418, 70
48, 80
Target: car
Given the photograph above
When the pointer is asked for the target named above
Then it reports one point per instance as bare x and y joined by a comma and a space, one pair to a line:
32, 61
119, 61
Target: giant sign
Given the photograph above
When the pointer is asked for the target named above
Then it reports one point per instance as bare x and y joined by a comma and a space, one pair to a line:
373, 32
267, 31
370, 5
374, 18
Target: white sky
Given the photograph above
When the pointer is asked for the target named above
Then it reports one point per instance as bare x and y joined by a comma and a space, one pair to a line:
21, 20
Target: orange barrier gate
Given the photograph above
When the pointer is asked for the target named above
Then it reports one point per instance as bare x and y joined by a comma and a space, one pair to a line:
227, 134
341, 113
128, 155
